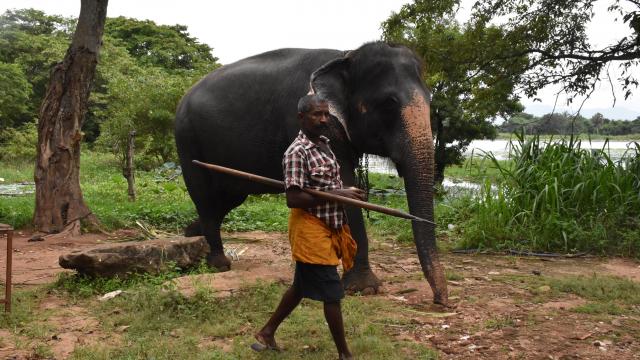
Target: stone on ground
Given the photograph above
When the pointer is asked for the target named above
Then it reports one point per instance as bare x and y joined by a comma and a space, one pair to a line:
151, 256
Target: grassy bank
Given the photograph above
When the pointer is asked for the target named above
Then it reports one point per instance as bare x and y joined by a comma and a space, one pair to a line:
584, 137
165, 204
560, 197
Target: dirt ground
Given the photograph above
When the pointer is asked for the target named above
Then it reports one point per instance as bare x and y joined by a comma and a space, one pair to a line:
495, 315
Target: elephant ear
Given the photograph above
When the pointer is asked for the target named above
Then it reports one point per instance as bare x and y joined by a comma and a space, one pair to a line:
330, 81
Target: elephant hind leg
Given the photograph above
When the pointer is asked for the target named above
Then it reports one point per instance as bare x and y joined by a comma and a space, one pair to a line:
212, 204
211, 216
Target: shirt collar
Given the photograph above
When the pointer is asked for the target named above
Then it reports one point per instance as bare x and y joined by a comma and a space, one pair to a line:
308, 144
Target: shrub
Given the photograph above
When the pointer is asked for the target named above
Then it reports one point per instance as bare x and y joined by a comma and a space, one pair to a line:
559, 197
19, 145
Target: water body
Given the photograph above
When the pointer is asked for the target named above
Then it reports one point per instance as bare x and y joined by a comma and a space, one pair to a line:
501, 148
17, 189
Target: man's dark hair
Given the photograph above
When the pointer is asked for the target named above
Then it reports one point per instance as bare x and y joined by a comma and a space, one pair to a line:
306, 102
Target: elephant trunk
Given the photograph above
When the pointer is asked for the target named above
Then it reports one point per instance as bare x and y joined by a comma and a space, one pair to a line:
419, 178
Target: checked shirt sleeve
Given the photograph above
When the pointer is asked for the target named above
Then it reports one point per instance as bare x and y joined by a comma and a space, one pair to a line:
293, 165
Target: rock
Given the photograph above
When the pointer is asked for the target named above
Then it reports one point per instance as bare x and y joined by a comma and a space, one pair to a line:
152, 256
36, 237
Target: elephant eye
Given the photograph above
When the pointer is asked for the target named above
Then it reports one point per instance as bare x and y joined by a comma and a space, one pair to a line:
389, 102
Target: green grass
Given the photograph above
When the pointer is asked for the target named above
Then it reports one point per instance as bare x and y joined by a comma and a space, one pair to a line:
152, 320
83, 286
609, 295
477, 168
166, 205
162, 204
560, 197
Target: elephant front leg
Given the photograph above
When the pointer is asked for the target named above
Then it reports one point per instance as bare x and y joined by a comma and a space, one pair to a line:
360, 278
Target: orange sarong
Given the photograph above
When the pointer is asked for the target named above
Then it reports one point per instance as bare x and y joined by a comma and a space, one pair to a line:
314, 242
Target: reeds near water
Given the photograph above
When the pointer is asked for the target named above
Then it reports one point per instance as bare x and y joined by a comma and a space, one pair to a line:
556, 196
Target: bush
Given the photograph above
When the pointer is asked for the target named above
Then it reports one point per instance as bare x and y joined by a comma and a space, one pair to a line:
559, 197
19, 145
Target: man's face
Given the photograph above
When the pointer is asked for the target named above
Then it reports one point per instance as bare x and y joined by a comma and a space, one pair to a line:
314, 122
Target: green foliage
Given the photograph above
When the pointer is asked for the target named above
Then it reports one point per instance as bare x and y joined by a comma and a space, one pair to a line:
166, 46
143, 101
566, 124
468, 92
560, 197
553, 35
15, 91
30, 43
19, 145
144, 70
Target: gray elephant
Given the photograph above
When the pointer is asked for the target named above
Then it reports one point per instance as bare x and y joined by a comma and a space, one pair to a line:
243, 116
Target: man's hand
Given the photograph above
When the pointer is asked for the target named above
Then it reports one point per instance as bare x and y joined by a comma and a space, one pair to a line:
351, 192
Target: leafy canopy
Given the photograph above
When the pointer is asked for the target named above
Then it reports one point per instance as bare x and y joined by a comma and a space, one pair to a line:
471, 84
553, 35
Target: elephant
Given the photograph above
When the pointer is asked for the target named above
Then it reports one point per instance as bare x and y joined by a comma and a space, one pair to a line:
243, 116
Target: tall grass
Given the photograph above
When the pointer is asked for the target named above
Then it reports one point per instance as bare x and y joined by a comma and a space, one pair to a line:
557, 196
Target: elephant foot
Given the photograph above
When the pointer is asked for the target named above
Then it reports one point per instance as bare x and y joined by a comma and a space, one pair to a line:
193, 229
219, 262
363, 281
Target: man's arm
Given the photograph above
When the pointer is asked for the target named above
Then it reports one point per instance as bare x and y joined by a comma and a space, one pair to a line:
296, 198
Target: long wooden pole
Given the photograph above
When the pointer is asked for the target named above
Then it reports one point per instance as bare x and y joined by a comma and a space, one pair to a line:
321, 194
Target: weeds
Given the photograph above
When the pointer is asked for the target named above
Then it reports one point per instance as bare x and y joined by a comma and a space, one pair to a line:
160, 323
83, 286
560, 197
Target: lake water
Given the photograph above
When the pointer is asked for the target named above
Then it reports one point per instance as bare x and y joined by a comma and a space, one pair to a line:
18, 189
500, 148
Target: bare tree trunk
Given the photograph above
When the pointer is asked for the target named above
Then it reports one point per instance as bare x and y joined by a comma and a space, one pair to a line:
440, 152
128, 168
59, 202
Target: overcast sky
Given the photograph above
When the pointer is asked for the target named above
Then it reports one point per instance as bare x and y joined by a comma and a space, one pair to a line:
240, 28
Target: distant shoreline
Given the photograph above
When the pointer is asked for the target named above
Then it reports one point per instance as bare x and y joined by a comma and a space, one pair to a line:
628, 137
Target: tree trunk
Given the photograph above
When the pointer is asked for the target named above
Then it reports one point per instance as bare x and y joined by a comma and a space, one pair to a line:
440, 152
59, 202
128, 168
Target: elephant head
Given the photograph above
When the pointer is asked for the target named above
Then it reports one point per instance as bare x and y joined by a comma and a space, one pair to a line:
378, 95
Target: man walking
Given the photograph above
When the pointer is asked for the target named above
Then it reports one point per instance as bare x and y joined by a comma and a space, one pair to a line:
318, 232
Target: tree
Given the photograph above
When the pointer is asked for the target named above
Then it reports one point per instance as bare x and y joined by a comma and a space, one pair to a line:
166, 46
15, 91
553, 35
471, 85
143, 100
32, 41
597, 120
59, 202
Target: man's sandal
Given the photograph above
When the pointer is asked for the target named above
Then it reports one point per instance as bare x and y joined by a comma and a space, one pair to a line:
261, 345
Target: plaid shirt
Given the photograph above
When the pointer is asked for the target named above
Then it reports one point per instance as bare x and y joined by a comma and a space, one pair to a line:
306, 166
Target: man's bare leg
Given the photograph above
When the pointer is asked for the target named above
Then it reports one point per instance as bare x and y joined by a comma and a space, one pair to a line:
290, 301
333, 315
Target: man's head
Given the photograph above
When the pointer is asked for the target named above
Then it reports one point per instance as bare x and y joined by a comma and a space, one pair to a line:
313, 112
